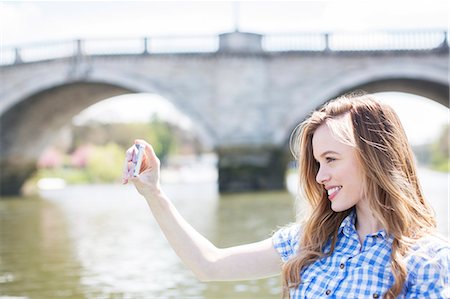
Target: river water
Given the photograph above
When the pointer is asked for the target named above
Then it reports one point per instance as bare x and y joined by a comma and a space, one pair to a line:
100, 241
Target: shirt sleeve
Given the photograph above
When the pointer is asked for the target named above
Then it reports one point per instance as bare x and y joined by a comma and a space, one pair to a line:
286, 241
431, 275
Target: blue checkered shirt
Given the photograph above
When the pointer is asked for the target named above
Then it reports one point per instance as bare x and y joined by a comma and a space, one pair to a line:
356, 270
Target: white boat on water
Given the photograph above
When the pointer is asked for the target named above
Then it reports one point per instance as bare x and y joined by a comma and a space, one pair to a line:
51, 184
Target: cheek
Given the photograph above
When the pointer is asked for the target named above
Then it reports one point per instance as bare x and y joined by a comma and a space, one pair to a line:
357, 178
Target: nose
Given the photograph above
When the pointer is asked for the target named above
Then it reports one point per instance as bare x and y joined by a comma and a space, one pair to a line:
322, 175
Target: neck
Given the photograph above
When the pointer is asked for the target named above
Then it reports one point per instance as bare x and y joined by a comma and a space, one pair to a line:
366, 222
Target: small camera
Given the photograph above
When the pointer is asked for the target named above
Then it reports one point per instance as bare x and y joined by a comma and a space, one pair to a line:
139, 158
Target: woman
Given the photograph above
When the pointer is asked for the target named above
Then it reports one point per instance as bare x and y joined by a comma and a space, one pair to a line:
369, 234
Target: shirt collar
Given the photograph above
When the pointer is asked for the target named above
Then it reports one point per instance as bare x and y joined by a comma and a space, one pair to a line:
348, 228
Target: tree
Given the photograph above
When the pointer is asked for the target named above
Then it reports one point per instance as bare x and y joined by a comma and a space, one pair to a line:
163, 138
440, 159
105, 163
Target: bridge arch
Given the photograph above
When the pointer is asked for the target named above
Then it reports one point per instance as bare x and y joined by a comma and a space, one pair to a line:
51, 105
425, 84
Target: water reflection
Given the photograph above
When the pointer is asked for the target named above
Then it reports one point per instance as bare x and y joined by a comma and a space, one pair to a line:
245, 218
102, 242
37, 256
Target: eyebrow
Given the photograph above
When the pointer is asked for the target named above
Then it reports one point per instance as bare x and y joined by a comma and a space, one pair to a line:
326, 153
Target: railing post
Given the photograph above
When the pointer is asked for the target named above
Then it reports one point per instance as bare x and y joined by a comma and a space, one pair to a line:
327, 42
145, 46
444, 44
79, 48
17, 57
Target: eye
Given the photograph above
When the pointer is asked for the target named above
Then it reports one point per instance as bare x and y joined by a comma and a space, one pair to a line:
330, 159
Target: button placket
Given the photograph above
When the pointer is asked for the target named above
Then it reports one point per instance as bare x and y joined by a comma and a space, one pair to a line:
333, 283
338, 277
343, 264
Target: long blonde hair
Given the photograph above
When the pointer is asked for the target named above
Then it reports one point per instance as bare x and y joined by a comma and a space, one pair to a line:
390, 180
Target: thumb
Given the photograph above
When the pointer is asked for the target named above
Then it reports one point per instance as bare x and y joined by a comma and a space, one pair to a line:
150, 159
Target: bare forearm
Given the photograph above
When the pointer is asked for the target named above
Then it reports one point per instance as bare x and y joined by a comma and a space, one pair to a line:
201, 256
195, 251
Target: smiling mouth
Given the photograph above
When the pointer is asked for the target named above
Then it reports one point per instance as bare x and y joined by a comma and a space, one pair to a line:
333, 191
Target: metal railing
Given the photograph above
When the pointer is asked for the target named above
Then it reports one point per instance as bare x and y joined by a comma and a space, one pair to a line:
376, 41
315, 42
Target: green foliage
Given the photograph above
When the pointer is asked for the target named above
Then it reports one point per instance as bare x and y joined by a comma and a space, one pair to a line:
104, 166
105, 163
162, 139
101, 134
440, 159
107, 144
162, 135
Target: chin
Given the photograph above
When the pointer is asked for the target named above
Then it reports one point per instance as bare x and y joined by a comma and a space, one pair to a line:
338, 208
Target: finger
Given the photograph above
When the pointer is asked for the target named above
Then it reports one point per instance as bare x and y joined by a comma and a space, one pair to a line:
127, 171
131, 166
130, 153
125, 166
150, 159
128, 166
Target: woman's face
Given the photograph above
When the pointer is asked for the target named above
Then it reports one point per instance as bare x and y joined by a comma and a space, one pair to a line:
339, 172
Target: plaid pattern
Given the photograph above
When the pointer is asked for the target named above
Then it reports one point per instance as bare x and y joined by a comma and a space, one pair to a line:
363, 271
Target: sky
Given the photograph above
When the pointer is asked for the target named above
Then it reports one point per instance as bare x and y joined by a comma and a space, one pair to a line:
27, 22
36, 21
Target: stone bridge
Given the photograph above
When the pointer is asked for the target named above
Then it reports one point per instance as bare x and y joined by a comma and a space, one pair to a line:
244, 92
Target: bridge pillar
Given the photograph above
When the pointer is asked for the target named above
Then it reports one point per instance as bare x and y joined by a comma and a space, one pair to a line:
241, 42
13, 174
243, 168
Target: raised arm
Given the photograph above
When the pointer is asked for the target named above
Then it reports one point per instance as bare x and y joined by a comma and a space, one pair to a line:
209, 263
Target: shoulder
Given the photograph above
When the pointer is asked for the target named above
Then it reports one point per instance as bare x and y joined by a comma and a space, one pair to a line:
286, 240
431, 248
428, 263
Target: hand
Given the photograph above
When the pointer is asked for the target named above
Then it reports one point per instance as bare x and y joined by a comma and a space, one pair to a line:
147, 183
